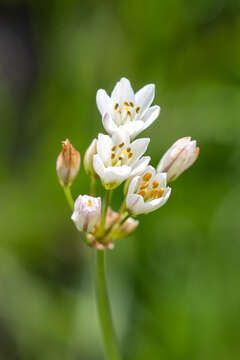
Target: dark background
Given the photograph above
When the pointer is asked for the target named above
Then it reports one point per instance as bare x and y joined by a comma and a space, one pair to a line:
175, 284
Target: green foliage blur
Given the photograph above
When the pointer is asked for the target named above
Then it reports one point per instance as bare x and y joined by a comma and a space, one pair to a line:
174, 285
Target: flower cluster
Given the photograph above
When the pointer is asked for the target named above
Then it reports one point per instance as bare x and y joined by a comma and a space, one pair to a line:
116, 157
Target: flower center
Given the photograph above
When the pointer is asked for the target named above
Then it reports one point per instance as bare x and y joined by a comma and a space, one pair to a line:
149, 191
121, 154
128, 112
89, 203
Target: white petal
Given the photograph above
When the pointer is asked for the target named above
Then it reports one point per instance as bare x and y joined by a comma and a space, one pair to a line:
140, 165
135, 204
122, 92
138, 148
115, 175
104, 102
120, 136
133, 128
99, 166
150, 116
144, 97
104, 146
162, 179
157, 203
109, 124
133, 185
150, 169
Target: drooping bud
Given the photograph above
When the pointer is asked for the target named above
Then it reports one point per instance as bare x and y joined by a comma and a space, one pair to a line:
126, 229
87, 212
178, 158
88, 159
68, 164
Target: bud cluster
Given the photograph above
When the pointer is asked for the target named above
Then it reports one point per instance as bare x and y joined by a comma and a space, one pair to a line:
118, 157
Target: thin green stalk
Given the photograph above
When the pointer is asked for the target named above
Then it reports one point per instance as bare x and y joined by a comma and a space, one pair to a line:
93, 187
104, 311
105, 205
69, 198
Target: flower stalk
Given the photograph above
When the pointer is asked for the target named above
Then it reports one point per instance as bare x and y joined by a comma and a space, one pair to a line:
103, 306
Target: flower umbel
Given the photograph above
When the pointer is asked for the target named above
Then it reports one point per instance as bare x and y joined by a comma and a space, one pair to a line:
68, 164
178, 158
126, 110
147, 192
117, 158
87, 212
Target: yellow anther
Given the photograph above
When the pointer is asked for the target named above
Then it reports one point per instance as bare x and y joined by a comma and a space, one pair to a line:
114, 148
147, 177
116, 106
144, 185
142, 193
126, 103
129, 113
126, 108
154, 194
131, 104
89, 203
130, 155
137, 109
121, 145
120, 158
113, 156
160, 192
124, 152
128, 149
155, 184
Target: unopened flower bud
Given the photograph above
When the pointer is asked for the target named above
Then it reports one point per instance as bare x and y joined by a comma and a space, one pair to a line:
88, 159
87, 212
68, 164
178, 158
126, 229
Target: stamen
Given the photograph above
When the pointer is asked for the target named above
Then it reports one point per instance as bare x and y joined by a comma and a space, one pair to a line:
124, 152
126, 103
131, 104
137, 109
89, 203
116, 106
120, 111
114, 148
155, 184
147, 177
121, 145
144, 185
128, 149
154, 194
130, 155
129, 113
142, 193
113, 156
160, 192
120, 158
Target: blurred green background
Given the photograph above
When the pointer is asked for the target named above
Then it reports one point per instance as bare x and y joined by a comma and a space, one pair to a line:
174, 285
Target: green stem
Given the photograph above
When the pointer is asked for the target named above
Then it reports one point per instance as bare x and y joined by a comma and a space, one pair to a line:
69, 198
105, 205
104, 311
93, 187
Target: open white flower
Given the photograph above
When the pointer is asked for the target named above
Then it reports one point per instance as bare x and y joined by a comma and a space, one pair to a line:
117, 158
147, 192
87, 212
179, 157
126, 110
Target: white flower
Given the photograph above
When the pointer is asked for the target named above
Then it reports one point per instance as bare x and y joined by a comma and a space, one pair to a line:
147, 192
87, 212
126, 110
88, 159
179, 157
117, 159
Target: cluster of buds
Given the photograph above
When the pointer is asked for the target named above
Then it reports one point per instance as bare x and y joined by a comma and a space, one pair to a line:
117, 157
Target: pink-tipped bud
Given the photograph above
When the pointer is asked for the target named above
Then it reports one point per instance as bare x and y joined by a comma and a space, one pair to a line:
68, 164
87, 212
178, 158
88, 159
